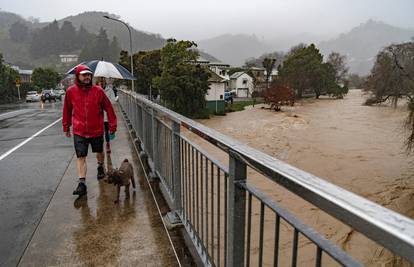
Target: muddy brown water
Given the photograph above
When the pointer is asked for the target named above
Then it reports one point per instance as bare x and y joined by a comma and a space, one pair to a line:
357, 147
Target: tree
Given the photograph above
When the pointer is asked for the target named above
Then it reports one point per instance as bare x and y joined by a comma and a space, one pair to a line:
67, 36
356, 81
148, 67
45, 78
8, 77
301, 68
46, 41
99, 48
268, 64
328, 82
83, 37
18, 32
114, 49
392, 77
304, 69
182, 83
338, 63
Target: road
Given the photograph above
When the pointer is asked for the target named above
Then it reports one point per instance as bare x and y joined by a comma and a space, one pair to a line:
34, 155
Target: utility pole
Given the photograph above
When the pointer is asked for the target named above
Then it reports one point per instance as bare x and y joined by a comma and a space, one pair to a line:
130, 48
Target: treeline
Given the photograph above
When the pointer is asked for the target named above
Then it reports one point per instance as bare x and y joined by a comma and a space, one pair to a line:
171, 72
55, 40
8, 76
304, 70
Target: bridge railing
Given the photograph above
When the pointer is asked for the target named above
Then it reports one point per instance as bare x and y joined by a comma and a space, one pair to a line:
232, 223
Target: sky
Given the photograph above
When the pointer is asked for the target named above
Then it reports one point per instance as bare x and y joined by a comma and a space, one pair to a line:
196, 19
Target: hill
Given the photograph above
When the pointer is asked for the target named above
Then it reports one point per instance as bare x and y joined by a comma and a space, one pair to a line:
362, 43
92, 21
234, 49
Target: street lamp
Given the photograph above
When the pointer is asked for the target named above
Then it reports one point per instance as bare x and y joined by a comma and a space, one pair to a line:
130, 47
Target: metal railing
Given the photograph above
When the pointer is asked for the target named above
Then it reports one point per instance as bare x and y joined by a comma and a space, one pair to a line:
215, 202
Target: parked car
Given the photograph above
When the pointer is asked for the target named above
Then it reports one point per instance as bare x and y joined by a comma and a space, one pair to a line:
32, 96
59, 93
48, 95
228, 97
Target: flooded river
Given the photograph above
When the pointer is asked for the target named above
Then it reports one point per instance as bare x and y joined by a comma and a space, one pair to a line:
357, 147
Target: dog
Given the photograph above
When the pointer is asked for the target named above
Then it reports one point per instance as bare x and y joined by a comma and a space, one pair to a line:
122, 176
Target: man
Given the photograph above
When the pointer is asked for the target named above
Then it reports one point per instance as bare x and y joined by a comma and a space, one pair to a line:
83, 109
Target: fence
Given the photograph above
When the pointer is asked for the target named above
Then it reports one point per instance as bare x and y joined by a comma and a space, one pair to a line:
217, 204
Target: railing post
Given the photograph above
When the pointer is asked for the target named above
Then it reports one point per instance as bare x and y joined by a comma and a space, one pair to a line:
176, 165
236, 212
154, 140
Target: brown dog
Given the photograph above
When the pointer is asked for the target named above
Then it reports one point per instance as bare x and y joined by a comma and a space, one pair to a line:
122, 177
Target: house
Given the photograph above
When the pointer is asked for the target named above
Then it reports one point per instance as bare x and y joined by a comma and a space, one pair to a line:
220, 69
25, 75
259, 74
241, 83
69, 58
215, 94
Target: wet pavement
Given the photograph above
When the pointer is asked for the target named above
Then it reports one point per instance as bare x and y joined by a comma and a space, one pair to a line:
43, 224
29, 175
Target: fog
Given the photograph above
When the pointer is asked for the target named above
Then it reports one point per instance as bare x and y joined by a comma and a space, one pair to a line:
195, 19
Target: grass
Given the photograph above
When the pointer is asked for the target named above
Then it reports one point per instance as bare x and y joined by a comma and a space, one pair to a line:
239, 106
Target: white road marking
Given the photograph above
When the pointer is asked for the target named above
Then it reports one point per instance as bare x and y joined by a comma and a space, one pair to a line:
28, 139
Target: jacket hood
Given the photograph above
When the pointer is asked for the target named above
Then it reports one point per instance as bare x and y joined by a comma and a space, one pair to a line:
77, 72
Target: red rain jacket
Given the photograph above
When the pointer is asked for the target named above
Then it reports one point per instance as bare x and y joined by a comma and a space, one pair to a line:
84, 109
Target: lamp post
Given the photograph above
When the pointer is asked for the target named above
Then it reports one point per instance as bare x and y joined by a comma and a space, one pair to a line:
130, 47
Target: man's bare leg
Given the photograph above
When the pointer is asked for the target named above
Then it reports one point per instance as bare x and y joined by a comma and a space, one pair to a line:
82, 168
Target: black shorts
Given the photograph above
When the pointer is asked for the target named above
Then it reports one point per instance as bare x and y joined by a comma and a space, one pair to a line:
82, 144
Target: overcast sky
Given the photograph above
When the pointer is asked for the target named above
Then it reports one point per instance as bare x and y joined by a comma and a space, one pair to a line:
196, 19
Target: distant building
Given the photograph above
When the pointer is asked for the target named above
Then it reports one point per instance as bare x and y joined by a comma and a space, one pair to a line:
25, 75
215, 94
259, 73
220, 69
242, 84
69, 58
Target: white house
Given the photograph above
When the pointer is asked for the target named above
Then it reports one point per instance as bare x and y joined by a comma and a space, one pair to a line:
220, 69
69, 58
25, 75
215, 93
241, 83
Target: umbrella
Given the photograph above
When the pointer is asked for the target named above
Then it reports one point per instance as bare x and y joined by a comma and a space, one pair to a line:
105, 69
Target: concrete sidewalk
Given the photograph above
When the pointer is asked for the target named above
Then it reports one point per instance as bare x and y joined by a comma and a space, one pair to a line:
93, 231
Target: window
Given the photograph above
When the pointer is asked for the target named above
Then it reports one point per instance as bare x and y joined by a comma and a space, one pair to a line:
221, 97
244, 81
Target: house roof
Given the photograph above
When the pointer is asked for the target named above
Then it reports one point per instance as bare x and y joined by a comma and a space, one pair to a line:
200, 59
26, 72
219, 64
68, 56
237, 74
214, 77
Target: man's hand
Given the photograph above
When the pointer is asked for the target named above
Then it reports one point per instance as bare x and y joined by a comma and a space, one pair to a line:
111, 136
68, 135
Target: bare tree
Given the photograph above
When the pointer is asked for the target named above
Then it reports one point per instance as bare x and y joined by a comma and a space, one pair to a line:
338, 62
268, 64
392, 77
